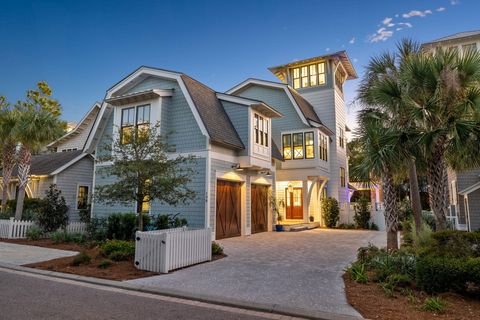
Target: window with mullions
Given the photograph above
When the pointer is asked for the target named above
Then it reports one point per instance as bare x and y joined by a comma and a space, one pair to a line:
135, 120
323, 148
297, 146
309, 146
82, 197
287, 146
309, 76
343, 179
261, 130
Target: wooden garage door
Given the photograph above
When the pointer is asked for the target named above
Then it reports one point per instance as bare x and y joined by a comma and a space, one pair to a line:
259, 208
228, 220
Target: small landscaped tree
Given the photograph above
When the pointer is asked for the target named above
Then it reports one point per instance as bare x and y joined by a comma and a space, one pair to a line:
144, 171
7, 123
53, 214
330, 211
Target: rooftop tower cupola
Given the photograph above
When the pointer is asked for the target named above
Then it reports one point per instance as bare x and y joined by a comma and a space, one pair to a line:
318, 72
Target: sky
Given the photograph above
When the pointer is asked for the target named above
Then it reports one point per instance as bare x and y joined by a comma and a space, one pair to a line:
81, 48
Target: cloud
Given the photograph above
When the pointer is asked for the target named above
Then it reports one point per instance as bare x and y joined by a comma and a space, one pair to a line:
355, 60
397, 15
387, 20
441, 9
382, 34
454, 2
398, 29
416, 13
352, 41
405, 24
327, 49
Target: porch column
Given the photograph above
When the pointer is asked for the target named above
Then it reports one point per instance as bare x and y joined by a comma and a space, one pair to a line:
306, 200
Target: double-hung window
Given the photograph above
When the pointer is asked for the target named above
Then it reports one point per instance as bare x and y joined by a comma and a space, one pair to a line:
323, 148
287, 146
341, 137
297, 146
261, 130
343, 182
82, 197
135, 121
309, 146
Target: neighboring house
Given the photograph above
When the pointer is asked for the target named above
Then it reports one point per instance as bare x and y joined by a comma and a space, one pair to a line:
464, 187
311, 134
65, 164
230, 137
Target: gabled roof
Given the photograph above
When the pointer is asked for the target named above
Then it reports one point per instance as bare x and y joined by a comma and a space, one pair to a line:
468, 190
256, 105
455, 36
280, 71
304, 108
52, 163
82, 125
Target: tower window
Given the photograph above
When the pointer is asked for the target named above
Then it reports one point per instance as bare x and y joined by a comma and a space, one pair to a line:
309, 146
261, 130
309, 76
298, 146
287, 146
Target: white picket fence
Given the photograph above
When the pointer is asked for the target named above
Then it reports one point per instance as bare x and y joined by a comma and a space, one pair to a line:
17, 229
170, 249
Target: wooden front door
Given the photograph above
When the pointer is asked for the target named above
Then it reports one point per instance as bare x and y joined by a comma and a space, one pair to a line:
294, 203
259, 208
228, 217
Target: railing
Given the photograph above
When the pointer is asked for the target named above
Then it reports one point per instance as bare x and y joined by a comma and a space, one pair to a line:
170, 249
17, 229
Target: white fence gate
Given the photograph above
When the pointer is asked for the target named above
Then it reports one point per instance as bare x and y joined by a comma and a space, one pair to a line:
17, 229
170, 249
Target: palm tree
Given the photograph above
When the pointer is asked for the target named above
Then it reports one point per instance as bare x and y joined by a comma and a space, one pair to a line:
37, 124
380, 162
7, 123
443, 93
382, 89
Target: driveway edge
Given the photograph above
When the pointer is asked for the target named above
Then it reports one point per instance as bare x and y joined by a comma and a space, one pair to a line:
268, 308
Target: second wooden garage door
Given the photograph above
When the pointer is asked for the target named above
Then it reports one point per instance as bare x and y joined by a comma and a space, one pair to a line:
228, 219
259, 208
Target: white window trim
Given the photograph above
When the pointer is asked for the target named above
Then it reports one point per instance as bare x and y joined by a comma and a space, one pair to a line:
89, 186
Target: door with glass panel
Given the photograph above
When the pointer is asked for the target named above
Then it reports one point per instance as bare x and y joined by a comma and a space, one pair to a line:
294, 203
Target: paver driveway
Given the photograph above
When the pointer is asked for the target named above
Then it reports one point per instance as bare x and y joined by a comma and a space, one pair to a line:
20, 254
294, 269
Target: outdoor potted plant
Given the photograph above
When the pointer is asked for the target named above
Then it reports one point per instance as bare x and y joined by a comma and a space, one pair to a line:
274, 204
279, 225
311, 218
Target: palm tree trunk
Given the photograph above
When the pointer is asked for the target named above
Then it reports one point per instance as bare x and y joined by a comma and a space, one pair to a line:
438, 187
391, 210
8, 159
415, 194
24, 163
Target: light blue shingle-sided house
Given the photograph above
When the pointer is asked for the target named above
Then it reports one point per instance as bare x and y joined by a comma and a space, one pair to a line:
232, 171
234, 137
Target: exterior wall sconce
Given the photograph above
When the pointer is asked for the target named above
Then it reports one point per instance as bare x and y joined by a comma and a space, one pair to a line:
237, 167
290, 188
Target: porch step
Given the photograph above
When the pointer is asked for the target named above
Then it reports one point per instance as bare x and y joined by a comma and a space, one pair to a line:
301, 227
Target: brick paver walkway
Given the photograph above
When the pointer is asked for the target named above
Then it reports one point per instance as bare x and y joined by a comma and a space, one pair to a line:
296, 269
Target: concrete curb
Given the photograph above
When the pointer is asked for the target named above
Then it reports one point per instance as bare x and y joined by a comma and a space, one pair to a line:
268, 308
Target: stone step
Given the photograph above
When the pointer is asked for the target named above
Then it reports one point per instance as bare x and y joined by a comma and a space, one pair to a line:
301, 227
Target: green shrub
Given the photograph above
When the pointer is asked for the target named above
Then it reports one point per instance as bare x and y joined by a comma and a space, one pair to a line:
85, 214
97, 229
31, 206
60, 236
104, 264
168, 221
385, 264
454, 244
358, 273
399, 280
81, 258
440, 274
216, 249
118, 250
362, 213
34, 233
330, 211
429, 219
366, 254
53, 213
434, 304
121, 226
373, 226
346, 226
388, 289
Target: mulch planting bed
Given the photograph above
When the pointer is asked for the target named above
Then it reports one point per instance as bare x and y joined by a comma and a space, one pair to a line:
372, 303
121, 270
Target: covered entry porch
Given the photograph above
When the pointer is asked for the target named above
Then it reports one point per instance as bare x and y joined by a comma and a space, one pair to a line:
299, 201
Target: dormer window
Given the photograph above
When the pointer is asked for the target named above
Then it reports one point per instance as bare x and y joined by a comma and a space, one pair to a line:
261, 130
135, 120
309, 76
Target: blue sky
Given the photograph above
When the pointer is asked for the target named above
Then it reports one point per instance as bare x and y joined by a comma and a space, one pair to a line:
81, 48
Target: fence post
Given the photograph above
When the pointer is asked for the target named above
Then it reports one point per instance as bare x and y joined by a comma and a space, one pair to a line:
10, 228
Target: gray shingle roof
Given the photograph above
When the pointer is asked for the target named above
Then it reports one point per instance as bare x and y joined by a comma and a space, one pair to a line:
45, 164
276, 154
213, 115
305, 106
455, 36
